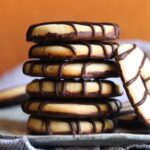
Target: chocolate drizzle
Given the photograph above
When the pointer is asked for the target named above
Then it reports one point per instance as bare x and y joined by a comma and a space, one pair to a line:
103, 126
89, 49
142, 100
84, 87
125, 54
41, 88
98, 109
100, 87
70, 47
47, 125
93, 126
147, 79
78, 126
73, 128
118, 105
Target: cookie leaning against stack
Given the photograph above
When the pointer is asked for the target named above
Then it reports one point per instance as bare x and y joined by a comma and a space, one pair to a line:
72, 98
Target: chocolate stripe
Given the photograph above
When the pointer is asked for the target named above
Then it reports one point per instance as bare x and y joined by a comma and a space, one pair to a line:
147, 79
93, 126
72, 127
138, 73
125, 54
70, 47
103, 126
48, 129
78, 126
142, 100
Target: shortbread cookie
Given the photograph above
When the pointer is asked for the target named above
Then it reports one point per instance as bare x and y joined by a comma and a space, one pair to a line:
13, 95
74, 51
71, 109
129, 119
134, 70
38, 125
65, 31
95, 69
71, 88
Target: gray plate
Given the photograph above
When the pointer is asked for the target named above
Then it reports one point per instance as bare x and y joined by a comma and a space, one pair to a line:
13, 125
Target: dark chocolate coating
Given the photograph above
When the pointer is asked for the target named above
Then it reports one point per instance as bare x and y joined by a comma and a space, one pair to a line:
13, 100
98, 74
86, 57
76, 36
64, 93
74, 126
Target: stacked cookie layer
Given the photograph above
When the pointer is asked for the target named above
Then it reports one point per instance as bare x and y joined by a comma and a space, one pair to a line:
73, 97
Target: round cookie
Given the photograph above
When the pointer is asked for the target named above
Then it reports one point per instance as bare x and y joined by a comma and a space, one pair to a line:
134, 70
74, 51
129, 119
70, 88
91, 69
15, 95
38, 125
67, 31
72, 109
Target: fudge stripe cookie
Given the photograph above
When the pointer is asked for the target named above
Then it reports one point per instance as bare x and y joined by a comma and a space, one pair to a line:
129, 119
74, 51
65, 31
13, 95
38, 125
134, 70
71, 88
71, 110
96, 69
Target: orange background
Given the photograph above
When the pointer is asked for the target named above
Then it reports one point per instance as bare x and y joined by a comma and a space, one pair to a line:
16, 15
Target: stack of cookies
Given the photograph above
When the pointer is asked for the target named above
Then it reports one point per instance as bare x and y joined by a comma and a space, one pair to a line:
72, 97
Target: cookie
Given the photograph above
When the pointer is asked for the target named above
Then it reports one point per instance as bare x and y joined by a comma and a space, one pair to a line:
72, 109
91, 69
15, 95
66, 31
74, 51
70, 88
49, 126
129, 119
134, 70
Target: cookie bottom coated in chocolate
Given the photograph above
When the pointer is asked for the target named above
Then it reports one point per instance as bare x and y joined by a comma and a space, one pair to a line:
71, 110
47, 126
67, 31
